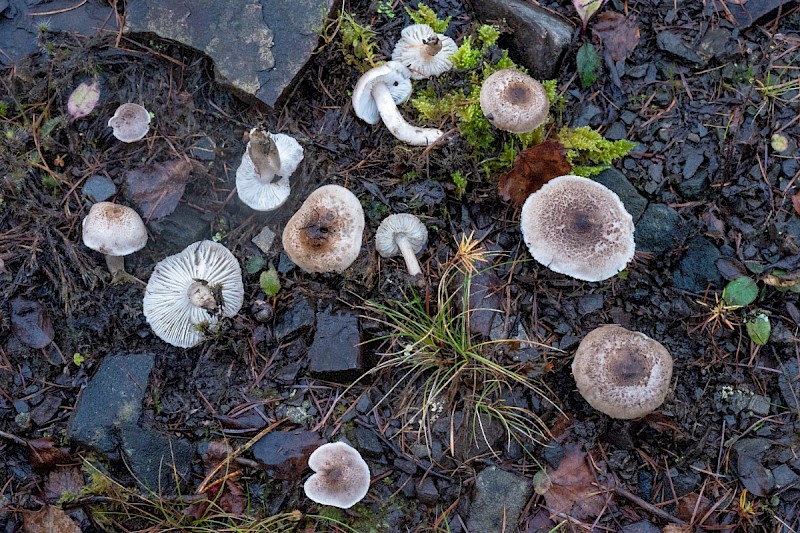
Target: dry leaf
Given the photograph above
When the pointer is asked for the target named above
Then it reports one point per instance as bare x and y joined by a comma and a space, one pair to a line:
83, 99
157, 188
796, 202
62, 480
587, 8
31, 323
44, 454
573, 486
533, 168
48, 519
619, 34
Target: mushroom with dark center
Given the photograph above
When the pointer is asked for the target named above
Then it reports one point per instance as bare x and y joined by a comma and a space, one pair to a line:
115, 231
513, 101
262, 179
341, 476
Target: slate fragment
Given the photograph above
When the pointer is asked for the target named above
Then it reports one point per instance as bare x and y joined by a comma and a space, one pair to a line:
31, 323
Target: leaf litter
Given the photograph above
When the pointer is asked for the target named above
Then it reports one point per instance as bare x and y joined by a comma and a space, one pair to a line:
532, 168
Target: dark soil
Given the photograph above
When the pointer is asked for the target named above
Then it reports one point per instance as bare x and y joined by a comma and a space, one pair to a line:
681, 462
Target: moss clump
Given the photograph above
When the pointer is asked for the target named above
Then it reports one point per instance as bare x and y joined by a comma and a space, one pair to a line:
590, 153
358, 43
425, 15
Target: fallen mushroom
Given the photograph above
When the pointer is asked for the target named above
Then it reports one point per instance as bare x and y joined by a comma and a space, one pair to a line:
324, 235
190, 290
425, 52
341, 477
624, 374
115, 231
402, 234
513, 101
262, 179
373, 97
130, 122
578, 227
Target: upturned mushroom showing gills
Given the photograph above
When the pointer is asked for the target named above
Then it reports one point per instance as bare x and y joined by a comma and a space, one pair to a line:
262, 179
373, 97
130, 122
513, 101
325, 234
115, 231
578, 227
402, 234
624, 374
425, 52
193, 289
341, 476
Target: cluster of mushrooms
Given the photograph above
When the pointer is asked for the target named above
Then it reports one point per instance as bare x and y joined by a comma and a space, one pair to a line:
572, 225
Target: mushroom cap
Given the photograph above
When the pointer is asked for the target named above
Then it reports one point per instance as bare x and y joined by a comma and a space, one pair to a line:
341, 476
513, 101
167, 305
114, 229
396, 77
578, 227
324, 235
624, 374
130, 122
412, 51
261, 192
394, 226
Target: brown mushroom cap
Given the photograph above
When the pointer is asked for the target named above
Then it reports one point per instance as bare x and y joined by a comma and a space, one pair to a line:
130, 122
324, 235
342, 477
113, 229
578, 227
513, 101
624, 374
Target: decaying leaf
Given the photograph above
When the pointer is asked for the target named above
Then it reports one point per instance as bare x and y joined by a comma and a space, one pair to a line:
31, 323
48, 519
157, 188
83, 100
45, 454
782, 280
63, 481
619, 34
796, 202
573, 486
587, 8
533, 168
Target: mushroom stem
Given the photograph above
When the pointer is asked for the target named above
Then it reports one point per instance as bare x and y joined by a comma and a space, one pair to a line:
397, 124
201, 295
408, 254
115, 263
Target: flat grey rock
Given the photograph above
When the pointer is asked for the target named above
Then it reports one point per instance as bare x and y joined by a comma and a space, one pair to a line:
698, 267
155, 459
615, 180
336, 353
656, 229
498, 499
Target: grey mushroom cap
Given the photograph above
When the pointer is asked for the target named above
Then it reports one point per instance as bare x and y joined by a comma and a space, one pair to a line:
394, 75
130, 122
325, 234
415, 51
513, 101
624, 374
113, 229
341, 478
193, 288
578, 227
267, 190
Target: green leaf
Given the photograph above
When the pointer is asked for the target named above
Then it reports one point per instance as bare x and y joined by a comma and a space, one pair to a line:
759, 329
586, 8
588, 61
269, 281
755, 267
740, 292
254, 264
78, 359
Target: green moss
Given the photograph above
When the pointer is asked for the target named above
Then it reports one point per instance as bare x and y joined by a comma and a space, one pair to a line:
488, 35
460, 181
358, 43
467, 56
425, 15
590, 153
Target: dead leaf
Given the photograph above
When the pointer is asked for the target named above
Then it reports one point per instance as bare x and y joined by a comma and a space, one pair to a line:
44, 454
573, 486
157, 188
63, 480
31, 323
533, 168
796, 202
587, 8
783, 281
48, 519
83, 100
619, 34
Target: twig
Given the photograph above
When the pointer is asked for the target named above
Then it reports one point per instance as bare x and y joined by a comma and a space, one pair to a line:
648, 506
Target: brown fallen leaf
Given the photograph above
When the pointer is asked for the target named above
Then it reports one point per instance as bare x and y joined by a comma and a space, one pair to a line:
796, 202
573, 486
63, 480
618, 33
48, 519
31, 323
157, 188
45, 454
532, 168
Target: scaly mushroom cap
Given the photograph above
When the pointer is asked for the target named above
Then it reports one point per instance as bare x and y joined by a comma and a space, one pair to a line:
396, 77
342, 477
262, 179
130, 122
114, 229
190, 289
624, 374
513, 101
578, 227
423, 51
403, 225
324, 235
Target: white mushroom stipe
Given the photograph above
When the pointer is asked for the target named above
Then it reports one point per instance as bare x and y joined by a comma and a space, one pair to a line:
404, 234
402, 130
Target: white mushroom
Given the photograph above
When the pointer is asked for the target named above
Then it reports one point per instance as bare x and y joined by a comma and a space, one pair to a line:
402, 234
513, 101
341, 476
130, 122
425, 52
262, 179
372, 96
192, 289
115, 231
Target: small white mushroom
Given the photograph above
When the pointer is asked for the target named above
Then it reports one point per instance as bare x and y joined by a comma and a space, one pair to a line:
130, 122
262, 179
372, 96
425, 52
341, 476
115, 231
402, 234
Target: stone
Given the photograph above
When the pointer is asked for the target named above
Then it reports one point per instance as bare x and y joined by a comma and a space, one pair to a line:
294, 320
589, 303
784, 477
99, 188
284, 454
335, 354
497, 501
258, 46
427, 493
539, 38
155, 459
110, 401
180, 228
693, 162
615, 180
264, 240
745, 14
673, 44
368, 443
44, 412
31, 323
697, 268
204, 149
642, 526
789, 385
484, 301
656, 229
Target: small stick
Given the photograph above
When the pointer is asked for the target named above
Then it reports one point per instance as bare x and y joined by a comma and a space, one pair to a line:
648, 506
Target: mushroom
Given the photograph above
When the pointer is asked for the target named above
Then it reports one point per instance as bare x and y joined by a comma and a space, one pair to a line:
425, 52
115, 231
624, 374
192, 289
130, 122
373, 97
324, 235
262, 179
402, 234
513, 101
578, 227
341, 476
